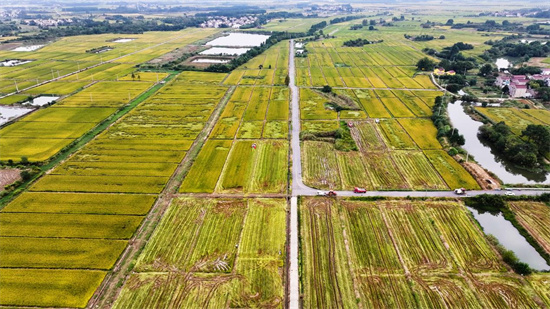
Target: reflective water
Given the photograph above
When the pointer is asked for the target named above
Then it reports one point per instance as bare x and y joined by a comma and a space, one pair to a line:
483, 154
27, 48
205, 60
510, 238
239, 39
123, 40
42, 100
14, 62
8, 113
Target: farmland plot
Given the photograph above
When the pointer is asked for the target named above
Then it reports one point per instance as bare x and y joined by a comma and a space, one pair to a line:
326, 277
535, 218
218, 273
380, 242
320, 165
422, 131
452, 172
395, 135
207, 168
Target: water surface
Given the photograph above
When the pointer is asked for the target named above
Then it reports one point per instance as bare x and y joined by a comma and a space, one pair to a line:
239, 39
483, 154
510, 238
8, 113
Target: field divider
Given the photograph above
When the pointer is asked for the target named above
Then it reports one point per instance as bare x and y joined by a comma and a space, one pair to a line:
112, 284
78, 143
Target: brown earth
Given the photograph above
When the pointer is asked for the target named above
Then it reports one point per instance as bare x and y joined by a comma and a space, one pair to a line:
538, 62
8, 176
176, 54
481, 176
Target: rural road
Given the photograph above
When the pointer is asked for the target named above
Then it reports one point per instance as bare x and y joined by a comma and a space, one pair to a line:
297, 186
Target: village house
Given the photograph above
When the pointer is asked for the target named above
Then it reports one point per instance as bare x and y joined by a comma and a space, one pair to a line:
517, 84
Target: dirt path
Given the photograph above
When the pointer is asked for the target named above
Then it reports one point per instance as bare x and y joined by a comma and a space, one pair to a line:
483, 178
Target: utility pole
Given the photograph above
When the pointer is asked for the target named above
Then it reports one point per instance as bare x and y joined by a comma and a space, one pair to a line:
16, 87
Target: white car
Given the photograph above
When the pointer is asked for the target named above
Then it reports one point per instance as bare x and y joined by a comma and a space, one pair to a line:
509, 193
321, 193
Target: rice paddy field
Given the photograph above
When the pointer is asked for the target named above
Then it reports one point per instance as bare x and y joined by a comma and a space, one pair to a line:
388, 159
398, 147
517, 119
247, 150
535, 218
268, 68
403, 254
222, 253
208, 199
74, 223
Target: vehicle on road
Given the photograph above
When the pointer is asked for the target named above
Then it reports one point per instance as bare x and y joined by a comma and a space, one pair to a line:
509, 193
460, 191
359, 190
319, 192
331, 193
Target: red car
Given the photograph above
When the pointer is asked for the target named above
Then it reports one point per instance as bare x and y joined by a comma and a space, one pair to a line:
359, 190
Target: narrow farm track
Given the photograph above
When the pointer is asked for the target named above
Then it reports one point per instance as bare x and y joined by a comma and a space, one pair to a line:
106, 294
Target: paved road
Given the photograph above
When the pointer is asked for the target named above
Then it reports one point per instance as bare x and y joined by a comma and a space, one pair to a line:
297, 187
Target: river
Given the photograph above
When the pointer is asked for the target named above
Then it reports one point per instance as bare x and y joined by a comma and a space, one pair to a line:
510, 238
483, 154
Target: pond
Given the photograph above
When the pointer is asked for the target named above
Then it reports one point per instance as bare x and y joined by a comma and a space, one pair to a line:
503, 63
484, 155
13, 62
8, 113
239, 40
510, 238
41, 101
208, 60
224, 51
123, 40
27, 48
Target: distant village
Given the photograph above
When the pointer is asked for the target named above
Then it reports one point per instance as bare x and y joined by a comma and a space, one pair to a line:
228, 22
518, 84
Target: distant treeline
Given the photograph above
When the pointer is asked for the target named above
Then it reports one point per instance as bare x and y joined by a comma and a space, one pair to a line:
128, 26
347, 18
360, 42
505, 48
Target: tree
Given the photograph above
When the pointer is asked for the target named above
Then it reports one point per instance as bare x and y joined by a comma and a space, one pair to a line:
25, 175
24, 160
425, 64
371, 28
450, 22
372, 22
543, 93
326, 89
538, 135
260, 66
287, 80
486, 69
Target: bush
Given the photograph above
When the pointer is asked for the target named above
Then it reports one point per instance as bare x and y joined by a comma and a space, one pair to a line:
326, 89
